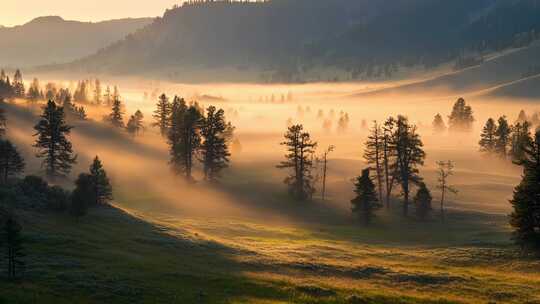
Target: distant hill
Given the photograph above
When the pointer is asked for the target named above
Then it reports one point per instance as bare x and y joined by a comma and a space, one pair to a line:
47, 40
284, 39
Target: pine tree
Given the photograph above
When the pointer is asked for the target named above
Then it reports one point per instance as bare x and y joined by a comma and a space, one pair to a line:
502, 135
409, 155
461, 118
33, 91
488, 137
14, 249
299, 160
422, 201
162, 114
82, 196
214, 149
11, 162
52, 143
445, 170
521, 137
525, 218
184, 137
116, 117
365, 203
374, 155
102, 189
438, 124
18, 85
135, 123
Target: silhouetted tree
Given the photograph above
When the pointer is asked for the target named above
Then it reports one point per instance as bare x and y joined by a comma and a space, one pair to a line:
389, 156
422, 201
214, 149
13, 243
488, 138
438, 124
135, 123
329, 150
11, 162
33, 93
521, 137
18, 85
162, 114
82, 196
52, 144
525, 218
374, 155
102, 189
461, 118
365, 203
444, 171
409, 155
116, 118
299, 160
502, 135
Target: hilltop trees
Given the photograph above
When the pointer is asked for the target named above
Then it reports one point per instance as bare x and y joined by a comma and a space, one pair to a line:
52, 143
162, 114
461, 118
214, 150
299, 161
365, 203
525, 218
11, 162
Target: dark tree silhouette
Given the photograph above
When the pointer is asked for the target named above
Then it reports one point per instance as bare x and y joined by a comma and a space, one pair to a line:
18, 85
444, 171
521, 137
365, 203
502, 135
102, 189
438, 124
13, 241
11, 162
389, 156
135, 124
374, 155
299, 161
488, 137
214, 149
52, 144
83, 195
422, 202
461, 118
33, 93
162, 114
329, 150
525, 218
409, 155
116, 118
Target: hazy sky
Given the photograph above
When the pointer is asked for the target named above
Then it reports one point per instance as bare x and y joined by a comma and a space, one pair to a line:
15, 12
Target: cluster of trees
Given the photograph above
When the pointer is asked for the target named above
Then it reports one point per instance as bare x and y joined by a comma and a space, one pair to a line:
11, 88
504, 140
460, 120
194, 133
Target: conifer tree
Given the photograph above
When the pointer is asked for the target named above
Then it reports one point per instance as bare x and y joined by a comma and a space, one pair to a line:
525, 218
18, 85
214, 149
365, 202
438, 124
116, 117
13, 241
461, 118
374, 156
52, 142
488, 138
162, 114
11, 162
409, 155
422, 202
299, 160
135, 123
33, 91
82, 196
102, 189
502, 142
521, 137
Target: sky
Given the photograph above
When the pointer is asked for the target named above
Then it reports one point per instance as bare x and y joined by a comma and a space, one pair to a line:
16, 12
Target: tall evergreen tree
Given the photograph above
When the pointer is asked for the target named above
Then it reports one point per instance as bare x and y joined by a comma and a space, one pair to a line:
116, 118
102, 189
184, 137
299, 160
461, 118
33, 93
162, 114
438, 124
502, 142
521, 137
525, 218
374, 156
135, 123
488, 138
409, 155
82, 196
422, 201
214, 149
18, 85
11, 162
365, 202
52, 142
14, 249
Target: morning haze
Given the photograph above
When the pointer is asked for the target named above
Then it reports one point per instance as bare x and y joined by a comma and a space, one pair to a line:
282, 151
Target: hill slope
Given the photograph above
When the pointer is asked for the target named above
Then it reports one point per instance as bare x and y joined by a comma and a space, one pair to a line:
47, 40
